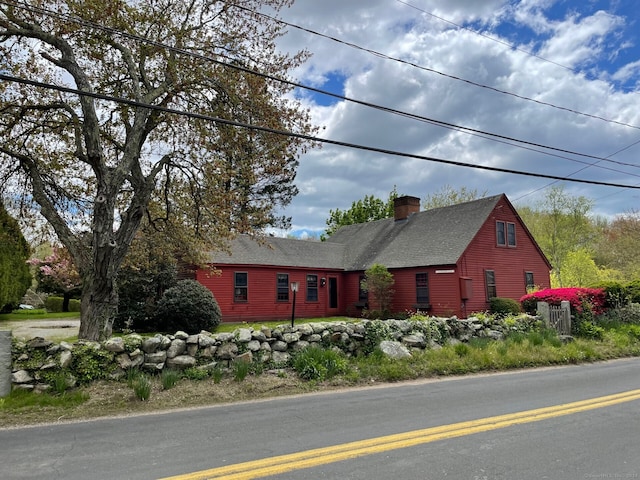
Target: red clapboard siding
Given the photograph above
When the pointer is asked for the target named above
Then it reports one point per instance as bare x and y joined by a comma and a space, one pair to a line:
508, 263
262, 301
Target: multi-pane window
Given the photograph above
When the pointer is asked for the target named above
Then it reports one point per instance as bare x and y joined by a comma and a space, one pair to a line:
422, 288
501, 238
506, 233
490, 282
282, 281
240, 287
528, 281
511, 234
362, 294
312, 288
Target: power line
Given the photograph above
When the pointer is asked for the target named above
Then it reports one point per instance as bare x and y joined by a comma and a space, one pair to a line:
431, 70
470, 131
301, 136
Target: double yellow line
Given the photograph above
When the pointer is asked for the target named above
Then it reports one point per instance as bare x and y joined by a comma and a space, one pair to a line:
320, 456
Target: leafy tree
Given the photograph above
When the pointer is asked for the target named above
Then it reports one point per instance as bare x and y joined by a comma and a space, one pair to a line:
378, 282
580, 270
368, 209
149, 269
15, 277
447, 195
56, 273
93, 167
560, 224
619, 245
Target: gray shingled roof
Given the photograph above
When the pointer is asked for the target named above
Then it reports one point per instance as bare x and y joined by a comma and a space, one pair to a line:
433, 237
284, 252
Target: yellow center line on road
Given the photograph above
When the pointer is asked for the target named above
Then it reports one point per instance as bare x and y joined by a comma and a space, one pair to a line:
321, 456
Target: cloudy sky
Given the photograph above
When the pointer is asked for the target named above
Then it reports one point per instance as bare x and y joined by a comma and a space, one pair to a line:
557, 73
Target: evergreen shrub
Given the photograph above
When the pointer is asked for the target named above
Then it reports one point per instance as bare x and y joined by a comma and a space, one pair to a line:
190, 307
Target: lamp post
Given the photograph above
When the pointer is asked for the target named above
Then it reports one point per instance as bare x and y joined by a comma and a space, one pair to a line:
294, 289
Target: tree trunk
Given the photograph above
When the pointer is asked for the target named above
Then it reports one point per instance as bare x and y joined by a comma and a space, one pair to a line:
66, 296
99, 305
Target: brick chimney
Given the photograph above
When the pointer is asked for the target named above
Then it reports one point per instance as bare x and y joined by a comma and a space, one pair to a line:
405, 206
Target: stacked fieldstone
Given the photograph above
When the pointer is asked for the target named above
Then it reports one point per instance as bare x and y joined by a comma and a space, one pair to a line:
205, 350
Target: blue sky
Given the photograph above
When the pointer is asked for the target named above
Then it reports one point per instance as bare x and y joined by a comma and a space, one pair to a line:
570, 71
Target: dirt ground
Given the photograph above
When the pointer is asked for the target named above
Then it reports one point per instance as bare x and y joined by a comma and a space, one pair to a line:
54, 330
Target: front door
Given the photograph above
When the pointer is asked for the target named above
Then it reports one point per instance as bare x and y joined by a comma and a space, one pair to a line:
333, 292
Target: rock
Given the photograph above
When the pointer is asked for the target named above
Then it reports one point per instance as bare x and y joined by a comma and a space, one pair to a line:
181, 362
243, 335
300, 345
395, 350
180, 335
253, 345
151, 344
208, 352
155, 357
314, 338
416, 340
265, 346
305, 329
227, 351
246, 357
115, 344
65, 358
566, 338
206, 340
192, 349
494, 334
124, 361
280, 357
225, 337
177, 347
192, 340
291, 337
279, 346
39, 342
259, 336
21, 376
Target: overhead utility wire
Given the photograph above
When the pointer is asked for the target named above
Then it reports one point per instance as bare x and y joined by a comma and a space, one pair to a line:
530, 53
470, 131
133, 103
427, 69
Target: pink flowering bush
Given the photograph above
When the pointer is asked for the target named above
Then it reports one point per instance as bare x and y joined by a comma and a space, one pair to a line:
579, 298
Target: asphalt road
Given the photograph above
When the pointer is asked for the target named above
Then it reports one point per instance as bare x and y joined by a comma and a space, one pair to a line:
452, 428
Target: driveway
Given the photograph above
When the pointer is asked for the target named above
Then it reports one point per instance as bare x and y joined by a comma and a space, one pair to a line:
53, 329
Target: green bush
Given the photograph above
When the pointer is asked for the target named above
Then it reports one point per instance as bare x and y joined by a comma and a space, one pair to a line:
54, 304
504, 306
190, 307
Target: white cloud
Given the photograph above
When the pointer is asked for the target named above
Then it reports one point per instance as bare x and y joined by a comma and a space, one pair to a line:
334, 177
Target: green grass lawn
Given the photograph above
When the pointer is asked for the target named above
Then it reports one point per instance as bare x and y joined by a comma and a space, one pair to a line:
230, 327
38, 314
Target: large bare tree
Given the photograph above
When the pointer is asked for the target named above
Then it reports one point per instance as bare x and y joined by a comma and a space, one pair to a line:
96, 165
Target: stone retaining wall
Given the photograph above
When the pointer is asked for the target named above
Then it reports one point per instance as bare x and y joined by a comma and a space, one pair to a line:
36, 361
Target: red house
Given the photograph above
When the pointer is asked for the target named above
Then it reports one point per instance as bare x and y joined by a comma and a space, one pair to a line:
445, 261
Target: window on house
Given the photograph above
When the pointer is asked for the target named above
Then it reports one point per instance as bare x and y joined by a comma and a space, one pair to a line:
240, 287
282, 287
500, 234
490, 282
362, 295
511, 234
312, 288
529, 284
422, 288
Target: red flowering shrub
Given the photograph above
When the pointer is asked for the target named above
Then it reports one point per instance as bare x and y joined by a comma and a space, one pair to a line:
578, 297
